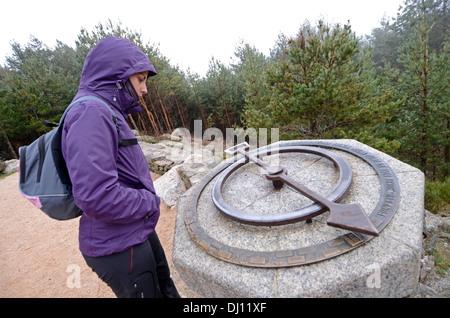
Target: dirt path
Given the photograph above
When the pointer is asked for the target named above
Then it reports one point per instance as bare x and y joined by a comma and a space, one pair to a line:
39, 256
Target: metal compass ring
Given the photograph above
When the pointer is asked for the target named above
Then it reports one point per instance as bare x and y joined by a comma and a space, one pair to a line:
301, 214
381, 215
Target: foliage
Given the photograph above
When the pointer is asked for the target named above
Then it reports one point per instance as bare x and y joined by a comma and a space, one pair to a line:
418, 55
36, 84
221, 96
324, 86
251, 77
388, 39
389, 90
437, 195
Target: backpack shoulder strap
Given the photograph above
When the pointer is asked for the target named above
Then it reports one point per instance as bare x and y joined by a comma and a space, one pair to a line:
122, 142
84, 99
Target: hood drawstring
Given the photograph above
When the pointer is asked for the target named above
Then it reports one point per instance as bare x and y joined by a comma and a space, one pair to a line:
128, 88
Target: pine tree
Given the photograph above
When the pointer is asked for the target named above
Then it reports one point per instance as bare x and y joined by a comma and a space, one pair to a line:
325, 87
251, 73
425, 80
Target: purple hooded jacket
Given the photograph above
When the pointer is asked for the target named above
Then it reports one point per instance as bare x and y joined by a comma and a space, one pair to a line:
111, 184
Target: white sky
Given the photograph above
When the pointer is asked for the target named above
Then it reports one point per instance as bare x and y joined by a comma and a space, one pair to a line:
189, 32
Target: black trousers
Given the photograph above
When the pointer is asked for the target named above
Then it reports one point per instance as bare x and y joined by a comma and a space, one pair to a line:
138, 272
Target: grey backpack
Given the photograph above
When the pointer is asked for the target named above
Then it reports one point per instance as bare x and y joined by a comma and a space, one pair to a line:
44, 179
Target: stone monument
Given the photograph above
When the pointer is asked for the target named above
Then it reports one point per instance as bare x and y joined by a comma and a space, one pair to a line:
239, 234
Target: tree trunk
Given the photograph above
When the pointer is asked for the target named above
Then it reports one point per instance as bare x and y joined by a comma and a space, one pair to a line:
12, 152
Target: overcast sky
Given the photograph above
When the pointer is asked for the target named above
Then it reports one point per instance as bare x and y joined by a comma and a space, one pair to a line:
189, 32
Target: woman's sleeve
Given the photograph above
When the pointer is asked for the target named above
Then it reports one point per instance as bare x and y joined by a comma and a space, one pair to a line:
91, 149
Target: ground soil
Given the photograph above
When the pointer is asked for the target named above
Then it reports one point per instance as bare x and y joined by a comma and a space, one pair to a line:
39, 256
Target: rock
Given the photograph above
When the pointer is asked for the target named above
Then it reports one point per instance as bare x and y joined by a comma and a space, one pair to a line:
426, 266
11, 166
170, 187
166, 154
433, 223
431, 229
154, 151
446, 224
181, 166
433, 282
158, 157
172, 136
425, 292
194, 169
147, 139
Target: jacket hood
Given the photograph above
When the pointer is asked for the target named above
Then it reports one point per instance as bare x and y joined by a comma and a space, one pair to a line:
109, 65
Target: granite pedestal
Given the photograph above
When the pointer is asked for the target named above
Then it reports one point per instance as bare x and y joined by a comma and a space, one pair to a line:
384, 266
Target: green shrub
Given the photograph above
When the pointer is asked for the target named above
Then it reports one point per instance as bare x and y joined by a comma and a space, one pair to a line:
437, 195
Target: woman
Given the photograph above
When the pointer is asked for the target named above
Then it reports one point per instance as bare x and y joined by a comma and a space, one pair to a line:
110, 183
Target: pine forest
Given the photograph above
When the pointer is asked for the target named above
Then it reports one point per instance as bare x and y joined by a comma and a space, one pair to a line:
389, 89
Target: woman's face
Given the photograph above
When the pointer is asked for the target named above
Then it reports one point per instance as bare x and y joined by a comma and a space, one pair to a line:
139, 82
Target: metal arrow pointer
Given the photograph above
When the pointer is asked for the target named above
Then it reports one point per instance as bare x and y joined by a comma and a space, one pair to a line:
345, 216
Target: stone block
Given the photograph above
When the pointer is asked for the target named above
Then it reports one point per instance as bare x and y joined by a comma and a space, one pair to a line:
385, 266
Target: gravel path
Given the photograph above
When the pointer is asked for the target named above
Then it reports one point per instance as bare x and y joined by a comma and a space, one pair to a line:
39, 256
